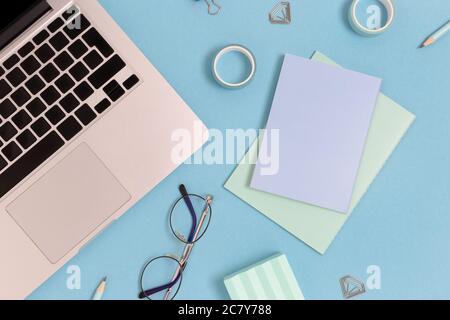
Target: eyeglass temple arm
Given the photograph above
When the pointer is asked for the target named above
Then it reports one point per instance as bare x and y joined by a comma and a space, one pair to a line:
150, 292
188, 202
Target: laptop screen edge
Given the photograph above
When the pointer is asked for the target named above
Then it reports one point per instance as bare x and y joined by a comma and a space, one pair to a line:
23, 22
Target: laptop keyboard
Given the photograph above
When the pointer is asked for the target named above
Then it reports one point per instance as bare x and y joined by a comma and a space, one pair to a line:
52, 89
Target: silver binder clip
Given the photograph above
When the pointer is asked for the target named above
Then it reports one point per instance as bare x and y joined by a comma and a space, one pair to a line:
213, 7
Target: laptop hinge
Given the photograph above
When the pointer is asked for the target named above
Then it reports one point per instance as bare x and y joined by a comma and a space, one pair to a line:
23, 22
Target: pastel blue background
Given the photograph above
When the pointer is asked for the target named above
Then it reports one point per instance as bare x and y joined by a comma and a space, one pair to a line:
402, 224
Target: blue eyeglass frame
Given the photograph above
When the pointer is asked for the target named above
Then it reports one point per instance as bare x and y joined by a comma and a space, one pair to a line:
185, 196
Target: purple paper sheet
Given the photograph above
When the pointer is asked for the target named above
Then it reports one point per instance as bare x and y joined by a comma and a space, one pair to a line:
323, 114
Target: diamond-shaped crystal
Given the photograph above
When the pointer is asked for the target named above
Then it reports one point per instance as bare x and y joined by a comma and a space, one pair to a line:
281, 13
351, 287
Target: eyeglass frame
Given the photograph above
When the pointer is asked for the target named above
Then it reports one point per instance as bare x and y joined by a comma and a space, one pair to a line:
189, 244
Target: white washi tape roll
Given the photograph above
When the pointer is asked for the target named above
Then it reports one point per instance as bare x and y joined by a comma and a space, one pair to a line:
234, 48
361, 29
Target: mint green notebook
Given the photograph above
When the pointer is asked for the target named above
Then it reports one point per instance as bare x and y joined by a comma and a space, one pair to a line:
315, 226
271, 279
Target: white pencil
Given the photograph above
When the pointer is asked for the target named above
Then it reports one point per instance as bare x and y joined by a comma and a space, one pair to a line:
100, 290
438, 34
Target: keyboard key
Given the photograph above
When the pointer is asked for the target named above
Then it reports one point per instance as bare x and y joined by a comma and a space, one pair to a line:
59, 41
69, 103
69, 128
5, 88
41, 127
50, 95
69, 13
95, 39
26, 49
2, 71
30, 161
49, 72
114, 90
64, 83
55, 115
78, 49
7, 131
76, 26
63, 61
45, 53
102, 106
131, 82
93, 59
55, 25
83, 91
30, 65
108, 70
7, 109
3, 163
79, 71
117, 93
12, 151
110, 86
85, 114
16, 77
35, 84
11, 61
36, 107
41, 37
21, 119
21, 96
26, 139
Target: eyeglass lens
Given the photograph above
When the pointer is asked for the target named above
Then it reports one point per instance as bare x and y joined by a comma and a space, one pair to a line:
186, 218
161, 279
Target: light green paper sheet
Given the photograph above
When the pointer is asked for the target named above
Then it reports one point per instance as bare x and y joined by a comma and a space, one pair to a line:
315, 226
271, 279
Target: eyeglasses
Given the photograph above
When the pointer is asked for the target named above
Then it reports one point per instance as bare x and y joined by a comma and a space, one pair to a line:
189, 220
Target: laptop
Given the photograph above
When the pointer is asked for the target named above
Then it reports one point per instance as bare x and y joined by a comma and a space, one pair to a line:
86, 126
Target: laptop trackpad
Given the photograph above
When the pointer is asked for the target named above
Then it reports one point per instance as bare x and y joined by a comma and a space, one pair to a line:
68, 203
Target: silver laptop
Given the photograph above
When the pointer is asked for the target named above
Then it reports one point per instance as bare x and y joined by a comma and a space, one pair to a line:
85, 131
